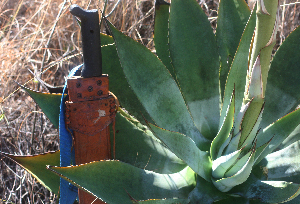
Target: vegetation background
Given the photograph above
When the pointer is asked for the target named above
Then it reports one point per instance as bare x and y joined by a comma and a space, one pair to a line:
41, 38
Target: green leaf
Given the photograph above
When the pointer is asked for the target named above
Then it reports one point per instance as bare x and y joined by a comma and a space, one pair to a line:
278, 132
117, 80
195, 58
265, 36
293, 137
253, 201
255, 89
239, 164
234, 143
223, 163
224, 145
161, 32
49, 103
282, 165
238, 174
251, 123
185, 149
166, 201
282, 95
231, 200
154, 86
206, 192
260, 149
267, 191
36, 166
136, 145
294, 200
239, 118
238, 71
224, 132
114, 181
232, 19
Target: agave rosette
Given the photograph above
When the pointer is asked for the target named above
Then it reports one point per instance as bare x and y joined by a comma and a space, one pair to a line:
203, 125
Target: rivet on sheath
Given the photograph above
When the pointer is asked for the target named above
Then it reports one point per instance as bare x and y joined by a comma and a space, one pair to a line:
99, 82
100, 93
79, 95
78, 84
90, 88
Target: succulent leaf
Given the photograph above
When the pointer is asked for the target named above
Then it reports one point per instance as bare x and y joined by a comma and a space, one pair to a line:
293, 137
186, 149
239, 118
239, 164
165, 201
195, 59
281, 165
49, 103
206, 192
117, 179
272, 40
224, 145
294, 200
255, 89
232, 19
36, 166
251, 121
223, 163
260, 149
265, 24
155, 87
281, 95
117, 80
278, 131
136, 145
239, 200
161, 32
225, 130
234, 144
247, 141
262, 8
267, 191
237, 174
238, 71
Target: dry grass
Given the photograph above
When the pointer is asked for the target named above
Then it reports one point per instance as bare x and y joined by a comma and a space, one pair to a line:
35, 37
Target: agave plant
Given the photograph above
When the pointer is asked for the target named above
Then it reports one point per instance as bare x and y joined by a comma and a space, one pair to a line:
207, 119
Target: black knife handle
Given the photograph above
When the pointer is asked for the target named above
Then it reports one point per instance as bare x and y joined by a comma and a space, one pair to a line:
91, 45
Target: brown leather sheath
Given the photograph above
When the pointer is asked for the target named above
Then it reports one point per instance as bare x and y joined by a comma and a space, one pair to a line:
89, 112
